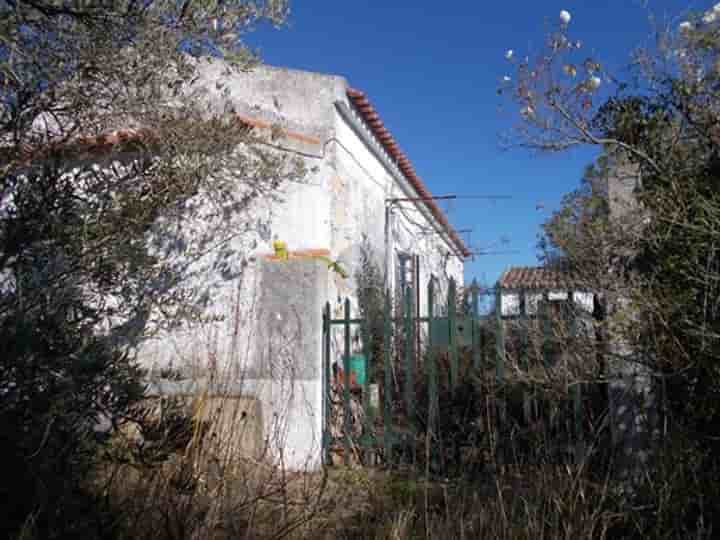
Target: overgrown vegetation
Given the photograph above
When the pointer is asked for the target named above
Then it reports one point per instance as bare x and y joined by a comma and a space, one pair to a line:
107, 152
643, 231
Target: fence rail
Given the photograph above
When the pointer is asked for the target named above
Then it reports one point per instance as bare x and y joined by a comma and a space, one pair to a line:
380, 399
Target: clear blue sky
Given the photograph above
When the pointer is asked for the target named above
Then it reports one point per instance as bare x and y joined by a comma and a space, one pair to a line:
432, 68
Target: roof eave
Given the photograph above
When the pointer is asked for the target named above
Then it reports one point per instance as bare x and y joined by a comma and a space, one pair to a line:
385, 139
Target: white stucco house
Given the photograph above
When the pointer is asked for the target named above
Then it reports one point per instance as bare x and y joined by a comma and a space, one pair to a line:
361, 190
522, 288
631, 384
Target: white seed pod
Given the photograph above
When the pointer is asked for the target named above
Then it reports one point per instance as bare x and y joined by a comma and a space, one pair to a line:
570, 70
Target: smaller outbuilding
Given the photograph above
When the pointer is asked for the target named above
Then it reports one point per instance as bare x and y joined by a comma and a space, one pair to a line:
522, 288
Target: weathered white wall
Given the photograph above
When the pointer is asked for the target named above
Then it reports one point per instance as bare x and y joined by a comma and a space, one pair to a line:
359, 190
345, 195
634, 410
299, 101
234, 337
258, 330
510, 301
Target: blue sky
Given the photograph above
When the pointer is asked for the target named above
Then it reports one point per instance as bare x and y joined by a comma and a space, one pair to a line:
432, 70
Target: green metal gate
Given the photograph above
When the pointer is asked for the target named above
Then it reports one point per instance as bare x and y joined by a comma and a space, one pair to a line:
370, 400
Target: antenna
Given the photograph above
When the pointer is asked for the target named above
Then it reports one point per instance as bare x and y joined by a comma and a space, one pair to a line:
392, 201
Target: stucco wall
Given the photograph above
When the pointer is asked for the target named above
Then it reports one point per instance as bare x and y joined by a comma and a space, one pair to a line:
300, 101
359, 189
344, 197
510, 300
633, 404
266, 341
263, 323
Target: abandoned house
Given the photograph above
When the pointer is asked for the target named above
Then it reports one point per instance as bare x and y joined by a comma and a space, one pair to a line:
523, 288
361, 203
526, 294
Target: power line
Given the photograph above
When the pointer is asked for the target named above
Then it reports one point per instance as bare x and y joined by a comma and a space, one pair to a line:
448, 198
421, 199
490, 197
501, 252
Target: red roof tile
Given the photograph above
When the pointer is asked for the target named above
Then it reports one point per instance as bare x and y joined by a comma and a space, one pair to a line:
372, 118
533, 277
106, 141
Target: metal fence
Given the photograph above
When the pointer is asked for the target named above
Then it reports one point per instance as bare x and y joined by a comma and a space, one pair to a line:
411, 378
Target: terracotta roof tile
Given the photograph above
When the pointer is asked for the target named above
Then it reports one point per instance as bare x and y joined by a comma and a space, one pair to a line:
106, 141
533, 277
371, 117
373, 120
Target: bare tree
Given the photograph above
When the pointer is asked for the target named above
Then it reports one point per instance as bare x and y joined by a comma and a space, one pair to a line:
652, 254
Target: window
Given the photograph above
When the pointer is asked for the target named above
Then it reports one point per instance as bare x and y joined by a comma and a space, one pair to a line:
407, 277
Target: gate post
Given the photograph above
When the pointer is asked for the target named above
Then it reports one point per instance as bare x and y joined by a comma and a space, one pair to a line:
410, 366
346, 386
432, 365
499, 352
475, 318
326, 395
387, 393
453, 342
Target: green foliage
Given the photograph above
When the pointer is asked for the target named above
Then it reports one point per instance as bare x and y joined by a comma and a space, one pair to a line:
93, 253
582, 217
459, 438
659, 256
371, 296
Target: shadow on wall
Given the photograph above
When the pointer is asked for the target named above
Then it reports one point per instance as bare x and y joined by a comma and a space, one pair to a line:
289, 320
